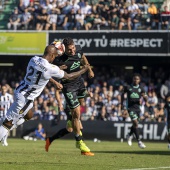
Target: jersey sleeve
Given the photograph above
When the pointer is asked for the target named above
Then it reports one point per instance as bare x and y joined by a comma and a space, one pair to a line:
56, 72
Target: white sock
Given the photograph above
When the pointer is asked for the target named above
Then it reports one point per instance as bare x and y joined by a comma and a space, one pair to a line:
20, 121
3, 132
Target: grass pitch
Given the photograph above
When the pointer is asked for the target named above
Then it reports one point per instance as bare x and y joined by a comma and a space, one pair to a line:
62, 155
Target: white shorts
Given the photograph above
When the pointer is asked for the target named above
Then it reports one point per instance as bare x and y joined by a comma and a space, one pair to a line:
19, 108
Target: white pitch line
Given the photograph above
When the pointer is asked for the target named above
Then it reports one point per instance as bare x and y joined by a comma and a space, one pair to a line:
148, 168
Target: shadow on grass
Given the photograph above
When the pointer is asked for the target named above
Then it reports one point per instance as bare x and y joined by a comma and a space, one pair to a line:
144, 152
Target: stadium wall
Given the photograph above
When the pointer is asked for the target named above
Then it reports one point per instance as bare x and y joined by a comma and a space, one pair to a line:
103, 130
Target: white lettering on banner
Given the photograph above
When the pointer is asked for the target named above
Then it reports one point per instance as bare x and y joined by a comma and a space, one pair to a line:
164, 133
127, 129
120, 42
155, 133
118, 126
84, 42
147, 129
139, 42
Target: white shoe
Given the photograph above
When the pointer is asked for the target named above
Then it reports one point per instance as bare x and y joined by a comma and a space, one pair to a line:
129, 139
169, 146
141, 145
4, 142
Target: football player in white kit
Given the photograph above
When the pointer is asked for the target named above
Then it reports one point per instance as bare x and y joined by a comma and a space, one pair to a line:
39, 72
6, 100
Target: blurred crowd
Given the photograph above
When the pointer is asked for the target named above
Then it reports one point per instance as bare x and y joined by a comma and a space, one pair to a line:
88, 15
107, 88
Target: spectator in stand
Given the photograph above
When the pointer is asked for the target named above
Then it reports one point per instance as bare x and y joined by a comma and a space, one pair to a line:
61, 4
75, 6
26, 19
14, 20
41, 20
52, 20
67, 8
92, 111
22, 5
164, 89
48, 6
125, 20
40, 103
125, 116
99, 6
39, 133
113, 117
146, 117
114, 22
70, 21
133, 9
143, 5
152, 102
137, 20
87, 9
33, 8
109, 105
165, 19
81, 3
42, 3
79, 20
98, 22
37, 113
152, 15
99, 104
103, 114
160, 115
113, 9
88, 22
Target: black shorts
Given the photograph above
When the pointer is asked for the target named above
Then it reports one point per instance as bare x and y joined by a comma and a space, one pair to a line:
68, 112
134, 113
73, 92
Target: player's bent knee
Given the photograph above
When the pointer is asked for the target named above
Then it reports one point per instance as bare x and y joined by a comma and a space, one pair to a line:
70, 130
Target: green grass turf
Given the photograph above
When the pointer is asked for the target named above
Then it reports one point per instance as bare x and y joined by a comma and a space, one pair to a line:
62, 155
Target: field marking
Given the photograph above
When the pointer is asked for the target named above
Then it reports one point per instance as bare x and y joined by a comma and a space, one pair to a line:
148, 168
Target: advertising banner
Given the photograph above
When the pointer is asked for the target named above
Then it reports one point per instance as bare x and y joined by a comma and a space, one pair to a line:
103, 130
22, 43
119, 43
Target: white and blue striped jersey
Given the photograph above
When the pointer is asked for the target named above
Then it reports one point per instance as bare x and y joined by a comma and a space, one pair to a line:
38, 73
5, 101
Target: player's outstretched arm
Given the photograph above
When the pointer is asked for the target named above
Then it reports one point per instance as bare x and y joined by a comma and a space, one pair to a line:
90, 71
74, 75
57, 84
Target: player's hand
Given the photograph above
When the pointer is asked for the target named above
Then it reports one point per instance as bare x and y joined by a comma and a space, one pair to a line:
90, 74
63, 67
58, 86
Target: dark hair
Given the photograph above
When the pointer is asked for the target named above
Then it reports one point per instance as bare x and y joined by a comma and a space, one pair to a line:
68, 41
137, 75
